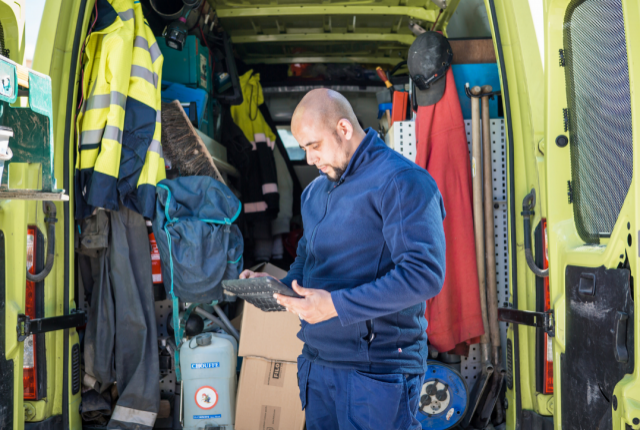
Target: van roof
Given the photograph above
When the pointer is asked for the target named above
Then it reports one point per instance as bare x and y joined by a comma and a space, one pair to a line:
322, 31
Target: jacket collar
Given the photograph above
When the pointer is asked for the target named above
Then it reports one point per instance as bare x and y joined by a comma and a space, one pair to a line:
368, 144
106, 15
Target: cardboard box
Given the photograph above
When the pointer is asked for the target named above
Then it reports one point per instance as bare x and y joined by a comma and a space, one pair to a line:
269, 335
237, 321
268, 396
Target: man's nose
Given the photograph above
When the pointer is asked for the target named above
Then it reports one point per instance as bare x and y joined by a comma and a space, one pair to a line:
311, 159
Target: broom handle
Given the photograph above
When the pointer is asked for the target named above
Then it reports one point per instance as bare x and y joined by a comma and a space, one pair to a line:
478, 223
490, 246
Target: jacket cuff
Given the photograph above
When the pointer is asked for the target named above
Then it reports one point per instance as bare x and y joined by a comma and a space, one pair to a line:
287, 280
338, 303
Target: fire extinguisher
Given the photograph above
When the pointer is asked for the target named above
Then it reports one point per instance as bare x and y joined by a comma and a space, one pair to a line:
156, 268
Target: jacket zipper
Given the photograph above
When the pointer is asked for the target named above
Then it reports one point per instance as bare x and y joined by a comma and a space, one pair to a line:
313, 238
315, 229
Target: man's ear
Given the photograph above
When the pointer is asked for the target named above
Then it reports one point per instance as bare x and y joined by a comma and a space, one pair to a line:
345, 128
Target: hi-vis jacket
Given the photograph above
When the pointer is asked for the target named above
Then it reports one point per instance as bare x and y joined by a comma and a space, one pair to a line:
260, 188
119, 155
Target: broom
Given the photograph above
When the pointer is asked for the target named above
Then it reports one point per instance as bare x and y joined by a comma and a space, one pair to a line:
182, 146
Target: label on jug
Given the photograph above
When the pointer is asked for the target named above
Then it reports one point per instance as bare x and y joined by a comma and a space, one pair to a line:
206, 397
206, 417
205, 365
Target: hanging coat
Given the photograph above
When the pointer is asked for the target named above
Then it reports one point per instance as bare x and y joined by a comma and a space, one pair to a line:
119, 155
454, 315
260, 187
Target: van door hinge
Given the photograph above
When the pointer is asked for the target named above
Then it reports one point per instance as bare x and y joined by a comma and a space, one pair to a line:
544, 320
562, 62
27, 326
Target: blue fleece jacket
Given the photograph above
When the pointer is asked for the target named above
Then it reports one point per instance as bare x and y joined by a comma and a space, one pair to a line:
375, 241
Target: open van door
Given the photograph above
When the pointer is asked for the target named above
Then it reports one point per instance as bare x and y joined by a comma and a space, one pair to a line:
13, 233
592, 218
574, 224
39, 360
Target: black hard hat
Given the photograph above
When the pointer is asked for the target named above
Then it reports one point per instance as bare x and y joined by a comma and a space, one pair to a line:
428, 61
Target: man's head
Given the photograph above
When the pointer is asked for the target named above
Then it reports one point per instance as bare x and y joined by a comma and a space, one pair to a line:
327, 129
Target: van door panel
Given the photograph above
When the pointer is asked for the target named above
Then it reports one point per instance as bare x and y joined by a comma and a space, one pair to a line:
592, 209
599, 336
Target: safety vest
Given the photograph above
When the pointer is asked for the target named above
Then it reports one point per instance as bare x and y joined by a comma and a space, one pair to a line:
119, 154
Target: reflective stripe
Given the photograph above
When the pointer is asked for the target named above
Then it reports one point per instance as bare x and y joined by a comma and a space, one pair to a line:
141, 72
104, 100
93, 89
128, 415
113, 133
159, 116
255, 207
126, 15
91, 137
141, 42
154, 51
156, 147
269, 188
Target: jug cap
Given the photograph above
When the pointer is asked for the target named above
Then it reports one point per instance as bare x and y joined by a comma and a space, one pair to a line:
204, 339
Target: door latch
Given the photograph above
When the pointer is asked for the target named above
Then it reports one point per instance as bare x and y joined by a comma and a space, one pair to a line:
544, 320
27, 326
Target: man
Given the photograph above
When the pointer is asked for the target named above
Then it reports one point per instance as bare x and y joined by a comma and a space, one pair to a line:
372, 253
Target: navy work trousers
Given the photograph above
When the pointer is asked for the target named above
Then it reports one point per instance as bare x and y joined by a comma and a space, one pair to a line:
353, 400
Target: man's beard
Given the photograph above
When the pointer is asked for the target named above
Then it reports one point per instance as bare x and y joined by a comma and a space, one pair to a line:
335, 173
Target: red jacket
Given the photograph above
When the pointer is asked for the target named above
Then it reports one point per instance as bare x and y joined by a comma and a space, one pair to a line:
454, 315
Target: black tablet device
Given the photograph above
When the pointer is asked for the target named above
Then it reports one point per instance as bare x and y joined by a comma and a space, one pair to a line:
259, 292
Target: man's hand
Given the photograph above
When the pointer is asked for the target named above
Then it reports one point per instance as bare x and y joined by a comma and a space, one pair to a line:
315, 306
246, 274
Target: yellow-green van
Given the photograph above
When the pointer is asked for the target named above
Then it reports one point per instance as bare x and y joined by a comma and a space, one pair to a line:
567, 72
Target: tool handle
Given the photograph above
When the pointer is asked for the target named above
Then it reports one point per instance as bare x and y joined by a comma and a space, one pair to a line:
383, 76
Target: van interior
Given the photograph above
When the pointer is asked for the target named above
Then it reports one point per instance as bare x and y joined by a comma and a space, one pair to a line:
292, 48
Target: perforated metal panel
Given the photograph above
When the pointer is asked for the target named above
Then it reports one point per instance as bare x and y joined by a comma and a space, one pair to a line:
599, 107
163, 311
402, 138
470, 366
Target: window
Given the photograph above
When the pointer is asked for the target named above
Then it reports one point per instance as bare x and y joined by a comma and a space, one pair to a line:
290, 143
599, 114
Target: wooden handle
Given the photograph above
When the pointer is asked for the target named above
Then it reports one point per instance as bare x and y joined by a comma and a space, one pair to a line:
490, 247
478, 212
23, 76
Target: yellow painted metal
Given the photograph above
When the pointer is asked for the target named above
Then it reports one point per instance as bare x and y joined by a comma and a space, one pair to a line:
328, 59
353, 8
405, 39
523, 74
53, 57
13, 15
565, 245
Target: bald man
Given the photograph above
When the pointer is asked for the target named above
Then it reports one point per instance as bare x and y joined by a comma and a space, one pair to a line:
372, 253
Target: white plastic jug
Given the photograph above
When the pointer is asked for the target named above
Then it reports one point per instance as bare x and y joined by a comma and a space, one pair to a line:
208, 364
